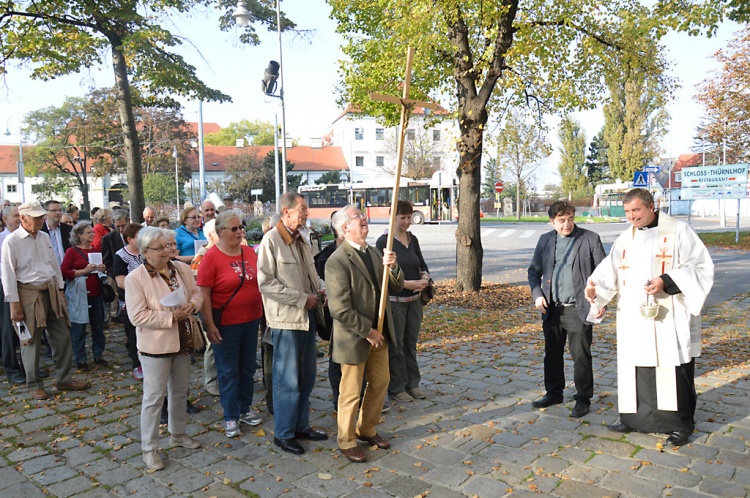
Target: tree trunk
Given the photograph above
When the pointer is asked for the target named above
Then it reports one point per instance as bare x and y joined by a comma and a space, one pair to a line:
469, 251
518, 197
129, 134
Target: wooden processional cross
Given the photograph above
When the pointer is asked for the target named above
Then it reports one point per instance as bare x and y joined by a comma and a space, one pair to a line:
407, 105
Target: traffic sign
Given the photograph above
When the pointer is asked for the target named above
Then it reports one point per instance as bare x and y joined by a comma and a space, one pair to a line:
498, 187
651, 169
702, 176
640, 179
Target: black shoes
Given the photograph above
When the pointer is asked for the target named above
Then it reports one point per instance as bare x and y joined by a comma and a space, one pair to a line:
192, 409
621, 428
546, 401
580, 409
290, 445
101, 362
311, 434
679, 438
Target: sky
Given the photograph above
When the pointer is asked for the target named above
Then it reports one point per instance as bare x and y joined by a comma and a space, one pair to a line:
310, 67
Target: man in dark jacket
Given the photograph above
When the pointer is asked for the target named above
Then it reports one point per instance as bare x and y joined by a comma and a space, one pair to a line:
59, 233
114, 241
563, 260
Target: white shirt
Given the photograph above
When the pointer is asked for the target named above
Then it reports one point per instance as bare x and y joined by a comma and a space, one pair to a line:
3, 235
28, 260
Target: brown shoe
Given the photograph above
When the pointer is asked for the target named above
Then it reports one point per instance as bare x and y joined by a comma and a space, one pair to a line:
354, 454
39, 394
376, 440
73, 385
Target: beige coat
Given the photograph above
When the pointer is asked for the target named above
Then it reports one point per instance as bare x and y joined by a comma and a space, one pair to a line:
282, 281
155, 328
351, 301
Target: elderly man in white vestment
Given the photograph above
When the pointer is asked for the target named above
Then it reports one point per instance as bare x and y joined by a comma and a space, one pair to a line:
662, 262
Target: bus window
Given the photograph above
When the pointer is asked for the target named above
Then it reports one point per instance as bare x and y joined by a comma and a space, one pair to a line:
379, 197
337, 197
419, 196
316, 199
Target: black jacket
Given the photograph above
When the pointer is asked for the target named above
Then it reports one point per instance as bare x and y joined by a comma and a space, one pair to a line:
111, 243
64, 232
588, 252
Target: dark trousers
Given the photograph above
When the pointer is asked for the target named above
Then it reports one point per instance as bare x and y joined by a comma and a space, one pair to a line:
131, 342
267, 363
9, 340
563, 323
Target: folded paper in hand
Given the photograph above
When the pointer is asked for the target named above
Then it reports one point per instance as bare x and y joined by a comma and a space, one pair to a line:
174, 299
95, 258
23, 332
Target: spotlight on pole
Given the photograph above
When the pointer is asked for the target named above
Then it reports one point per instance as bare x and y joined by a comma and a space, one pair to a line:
270, 75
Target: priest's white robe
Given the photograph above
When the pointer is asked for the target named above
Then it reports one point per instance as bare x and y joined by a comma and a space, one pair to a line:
673, 338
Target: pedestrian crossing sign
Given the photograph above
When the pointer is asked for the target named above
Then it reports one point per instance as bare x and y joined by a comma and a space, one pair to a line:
640, 179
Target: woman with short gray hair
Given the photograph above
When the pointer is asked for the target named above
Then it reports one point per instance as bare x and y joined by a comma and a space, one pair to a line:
84, 294
164, 339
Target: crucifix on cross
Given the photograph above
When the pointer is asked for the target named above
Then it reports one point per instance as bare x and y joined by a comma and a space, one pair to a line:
407, 105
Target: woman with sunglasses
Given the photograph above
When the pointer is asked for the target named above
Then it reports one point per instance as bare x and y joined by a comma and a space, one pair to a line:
188, 233
232, 307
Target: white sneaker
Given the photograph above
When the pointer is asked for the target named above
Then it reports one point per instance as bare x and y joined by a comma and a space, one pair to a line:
184, 440
152, 460
251, 418
232, 428
212, 389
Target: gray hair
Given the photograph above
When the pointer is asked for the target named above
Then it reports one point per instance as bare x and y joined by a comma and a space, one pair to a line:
288, 200
340, 218
7, 210
223, 219
75, 233
148, 235
121, 214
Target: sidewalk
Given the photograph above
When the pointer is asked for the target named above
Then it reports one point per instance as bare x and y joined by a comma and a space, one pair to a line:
476, 436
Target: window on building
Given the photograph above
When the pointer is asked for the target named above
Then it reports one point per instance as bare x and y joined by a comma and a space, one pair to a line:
436, 135
359, 134
436, 162
359, 161
11, 189
379, 133
678, 176
410, 135
379, 161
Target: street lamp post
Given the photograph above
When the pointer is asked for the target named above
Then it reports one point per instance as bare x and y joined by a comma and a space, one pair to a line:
19, 165
274, 72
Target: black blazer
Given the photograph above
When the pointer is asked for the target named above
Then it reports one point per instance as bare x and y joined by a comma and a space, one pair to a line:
111, 243
588, 252
64, 233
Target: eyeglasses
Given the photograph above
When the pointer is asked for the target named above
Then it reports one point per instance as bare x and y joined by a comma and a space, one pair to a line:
360, 216
157, 249
54, 210
170, 245
234, 229
192, 217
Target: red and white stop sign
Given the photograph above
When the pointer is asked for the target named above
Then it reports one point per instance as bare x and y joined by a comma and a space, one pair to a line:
498, 187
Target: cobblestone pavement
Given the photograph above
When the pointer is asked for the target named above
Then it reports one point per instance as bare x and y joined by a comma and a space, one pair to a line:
477, 435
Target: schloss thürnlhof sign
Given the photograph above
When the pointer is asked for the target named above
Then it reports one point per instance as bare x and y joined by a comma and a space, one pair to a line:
727, 181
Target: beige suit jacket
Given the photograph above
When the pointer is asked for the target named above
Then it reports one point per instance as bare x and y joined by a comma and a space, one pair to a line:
352, 303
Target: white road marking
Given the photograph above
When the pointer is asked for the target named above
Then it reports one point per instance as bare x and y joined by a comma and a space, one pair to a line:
506, 233
528, 234
487, 232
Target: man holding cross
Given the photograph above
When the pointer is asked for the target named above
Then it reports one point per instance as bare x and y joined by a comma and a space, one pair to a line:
661, 273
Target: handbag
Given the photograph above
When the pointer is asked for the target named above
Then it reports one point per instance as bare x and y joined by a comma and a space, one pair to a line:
198, 332
122, 312
217, 312
428, 293
108, 293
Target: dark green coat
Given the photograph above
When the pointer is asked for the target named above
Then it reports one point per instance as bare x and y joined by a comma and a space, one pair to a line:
352, 302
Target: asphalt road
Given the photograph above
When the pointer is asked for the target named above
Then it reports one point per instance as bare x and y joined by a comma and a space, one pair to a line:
508, 248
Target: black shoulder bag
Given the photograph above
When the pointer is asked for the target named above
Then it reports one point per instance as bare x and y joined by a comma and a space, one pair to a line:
217, 312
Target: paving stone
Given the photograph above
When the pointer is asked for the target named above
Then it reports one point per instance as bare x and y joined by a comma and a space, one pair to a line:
550, 465
666, 458
10, 477
734, 458
70, 487
81, 455
713, 469
41, 464
716, 487
584, 473
676, 478
406, 464
26, 454
144, 487
219, 490
727, 442
55, 475
24, 489
506, 454
632, 485
452, 477
685, 493
574, 489
439, 456
183, 479
483, 486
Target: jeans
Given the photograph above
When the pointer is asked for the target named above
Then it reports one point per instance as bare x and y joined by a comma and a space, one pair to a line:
402, 356
9, 340
78, 331
235, 365
294, 372
131, 343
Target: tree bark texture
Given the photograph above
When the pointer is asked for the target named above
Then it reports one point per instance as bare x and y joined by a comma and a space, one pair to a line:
129, 134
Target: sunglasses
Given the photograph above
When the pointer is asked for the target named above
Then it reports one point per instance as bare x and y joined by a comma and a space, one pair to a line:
234, 229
